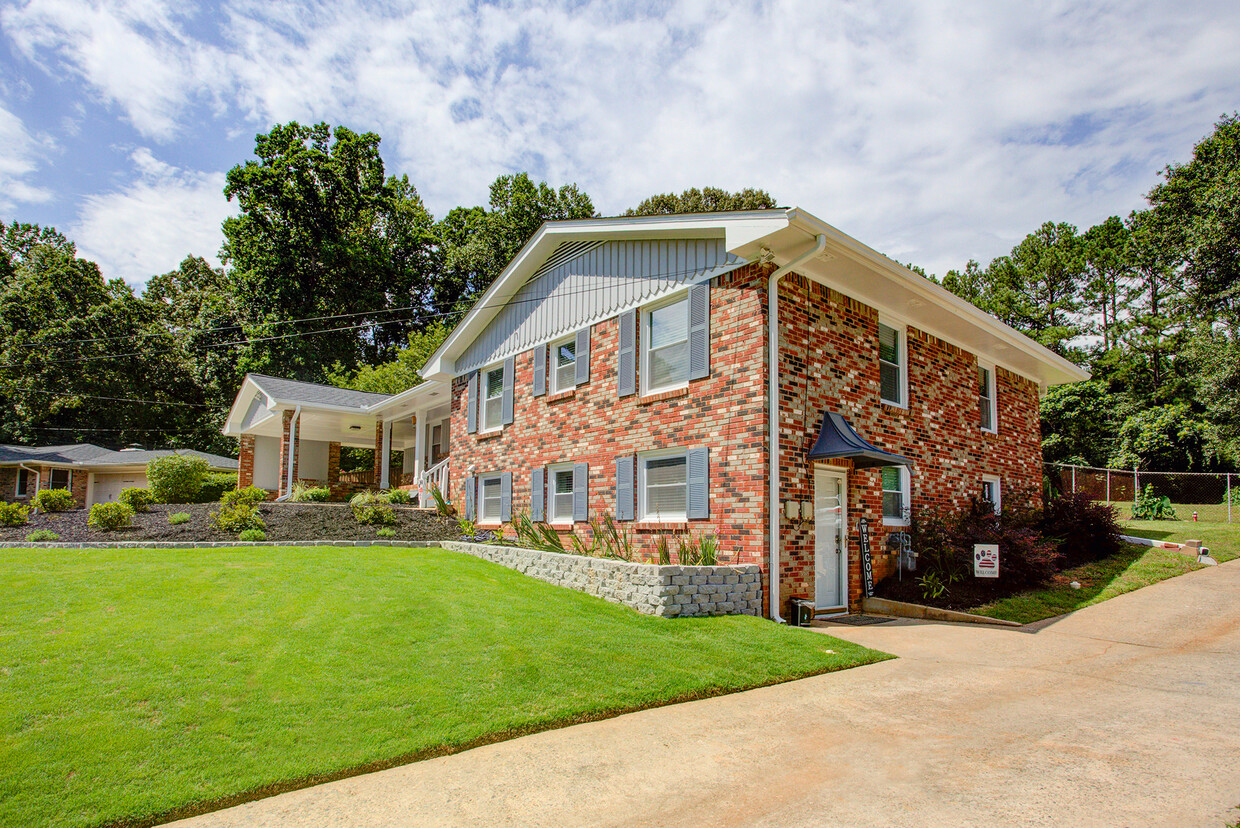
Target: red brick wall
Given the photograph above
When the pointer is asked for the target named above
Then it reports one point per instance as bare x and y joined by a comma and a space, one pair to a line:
590, 424
286, 422
829, 362
8, 484
245, 461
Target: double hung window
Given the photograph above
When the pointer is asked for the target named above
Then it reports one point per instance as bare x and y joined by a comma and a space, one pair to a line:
991, 493
663, 483
561, 494
895, 495
564, 365
892, 365
492, 398
986, 398
492, 490
665, 346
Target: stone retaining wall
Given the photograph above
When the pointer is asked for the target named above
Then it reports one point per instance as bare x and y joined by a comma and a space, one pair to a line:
666, 591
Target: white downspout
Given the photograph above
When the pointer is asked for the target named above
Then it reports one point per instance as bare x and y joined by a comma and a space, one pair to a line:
772, 396
35, 472
292, 447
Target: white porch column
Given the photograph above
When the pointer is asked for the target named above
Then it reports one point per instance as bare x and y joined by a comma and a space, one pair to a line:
384, 468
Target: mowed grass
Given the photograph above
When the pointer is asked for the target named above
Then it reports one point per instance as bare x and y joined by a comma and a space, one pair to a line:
141, 684
1132, 568
1222, 539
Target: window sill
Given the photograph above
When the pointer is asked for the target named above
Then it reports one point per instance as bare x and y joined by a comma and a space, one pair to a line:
658, 526
890, 404
991, 431
567, 394
647, 399
490, 435
894, 522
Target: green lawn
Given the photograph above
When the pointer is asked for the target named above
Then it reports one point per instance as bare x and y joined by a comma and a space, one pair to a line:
1223, 539
138, 683
1134, 567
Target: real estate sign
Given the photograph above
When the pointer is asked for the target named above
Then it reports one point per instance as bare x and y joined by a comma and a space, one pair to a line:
985, 560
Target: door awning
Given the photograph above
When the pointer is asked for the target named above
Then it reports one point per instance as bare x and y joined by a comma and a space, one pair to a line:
838, 440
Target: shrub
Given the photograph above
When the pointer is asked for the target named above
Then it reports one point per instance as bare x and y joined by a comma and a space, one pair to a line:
110, 516
176, 478
14, 514
467, 528
371, 509
700, 551
42, 535
385, 532
1083, 530
310, 494
138, 499
215, 486
251, 535
54, 500
250, 496
1150, 506
442, 507
237, 517
535, 535
177, 518
397, 497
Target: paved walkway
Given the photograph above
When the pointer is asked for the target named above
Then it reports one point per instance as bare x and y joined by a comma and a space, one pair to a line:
1127, 713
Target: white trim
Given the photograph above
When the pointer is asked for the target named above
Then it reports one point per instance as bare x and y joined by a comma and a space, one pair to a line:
901, 330
842, 475
997, 482
643, 342
553, 369
498, 477
993, 388
643, 516
549, 495
905, 493
483, 399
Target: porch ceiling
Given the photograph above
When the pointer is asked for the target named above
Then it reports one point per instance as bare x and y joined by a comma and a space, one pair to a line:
353, 430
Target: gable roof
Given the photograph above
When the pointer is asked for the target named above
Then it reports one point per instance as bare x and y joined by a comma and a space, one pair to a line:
778, 236
73, 453
87, 455
295, 392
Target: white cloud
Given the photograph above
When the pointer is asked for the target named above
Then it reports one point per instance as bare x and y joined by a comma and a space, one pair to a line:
18, 162
934, 132
149, 226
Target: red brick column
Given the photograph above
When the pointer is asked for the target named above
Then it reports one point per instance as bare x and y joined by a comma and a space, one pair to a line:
78, 479
282, 485
378, 453
245, 462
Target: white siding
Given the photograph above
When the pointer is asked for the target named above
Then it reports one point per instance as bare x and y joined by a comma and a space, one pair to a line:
267, 462
591, 287
312, 460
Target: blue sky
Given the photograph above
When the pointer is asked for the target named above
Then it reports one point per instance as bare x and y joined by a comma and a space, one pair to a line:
935, 131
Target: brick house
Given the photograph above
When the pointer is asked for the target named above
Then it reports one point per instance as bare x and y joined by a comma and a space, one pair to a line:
93, 474
624, 367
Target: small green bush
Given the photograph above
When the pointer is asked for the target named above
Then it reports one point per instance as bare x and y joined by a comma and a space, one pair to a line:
385, 532
310, 494
42, 535
54, 500
467, 528
371, 509
176, 478
14, 514
397, 497
1150, 506
442, 507
250, 495
237, 517
138, 499
177, 518
215, 486
253, 535
110, 516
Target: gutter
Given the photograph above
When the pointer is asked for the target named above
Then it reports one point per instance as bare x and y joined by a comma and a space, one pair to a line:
772, 396
35, 472
292, 443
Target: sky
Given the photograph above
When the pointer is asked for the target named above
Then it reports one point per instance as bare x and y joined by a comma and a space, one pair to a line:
932, 131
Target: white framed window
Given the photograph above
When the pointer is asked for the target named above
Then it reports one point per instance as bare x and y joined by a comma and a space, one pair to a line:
987, 411
663, 486
491, 497
492, 399
564, 365
60, 479
23, 483
560, 493
896, 508
991, 491
665, 346
893, 365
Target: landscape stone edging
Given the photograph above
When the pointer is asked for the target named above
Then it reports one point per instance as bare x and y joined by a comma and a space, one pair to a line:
212, 544
664, 591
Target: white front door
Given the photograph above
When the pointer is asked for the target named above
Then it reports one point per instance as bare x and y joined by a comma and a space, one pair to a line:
830, 539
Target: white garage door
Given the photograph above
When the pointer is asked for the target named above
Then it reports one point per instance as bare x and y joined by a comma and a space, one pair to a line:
108, 486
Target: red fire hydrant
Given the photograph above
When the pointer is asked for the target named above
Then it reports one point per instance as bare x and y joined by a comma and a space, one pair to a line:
1194, 517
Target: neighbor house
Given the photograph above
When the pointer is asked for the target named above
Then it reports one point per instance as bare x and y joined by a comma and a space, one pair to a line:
624, 367
92, 473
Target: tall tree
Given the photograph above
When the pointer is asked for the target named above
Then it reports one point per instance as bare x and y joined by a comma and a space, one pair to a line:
1107, 270
705, 200
323, 232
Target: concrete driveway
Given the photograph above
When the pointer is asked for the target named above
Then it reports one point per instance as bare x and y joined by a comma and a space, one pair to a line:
1127, 713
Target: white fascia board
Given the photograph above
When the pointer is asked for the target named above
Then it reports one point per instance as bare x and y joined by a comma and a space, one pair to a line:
413, 395
939, 296
735, 228
232, 426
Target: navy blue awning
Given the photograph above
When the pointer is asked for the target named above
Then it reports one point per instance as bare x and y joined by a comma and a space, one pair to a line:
837, 439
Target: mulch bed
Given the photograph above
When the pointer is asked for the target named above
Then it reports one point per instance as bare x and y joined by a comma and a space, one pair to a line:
962, 595
285, 522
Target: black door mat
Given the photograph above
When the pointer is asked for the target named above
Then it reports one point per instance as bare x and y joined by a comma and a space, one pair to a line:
858, 620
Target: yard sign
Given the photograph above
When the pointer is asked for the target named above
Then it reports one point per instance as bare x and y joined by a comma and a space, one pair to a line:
985, 560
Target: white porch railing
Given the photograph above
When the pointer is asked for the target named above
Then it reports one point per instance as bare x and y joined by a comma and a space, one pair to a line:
434, 477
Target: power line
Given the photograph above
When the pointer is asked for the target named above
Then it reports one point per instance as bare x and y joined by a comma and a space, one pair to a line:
110, 399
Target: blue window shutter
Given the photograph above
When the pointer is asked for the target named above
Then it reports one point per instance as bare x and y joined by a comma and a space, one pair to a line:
699, 331
697, 460
626, 358
540, 370
471, 405
538, 490
583, 356
470, 489
624, 487
510, 368
581, 487
505, 497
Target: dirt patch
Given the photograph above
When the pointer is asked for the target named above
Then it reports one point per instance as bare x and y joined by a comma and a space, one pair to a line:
285, 522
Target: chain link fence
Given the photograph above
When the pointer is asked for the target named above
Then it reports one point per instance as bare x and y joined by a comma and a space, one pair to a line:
1215, 497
